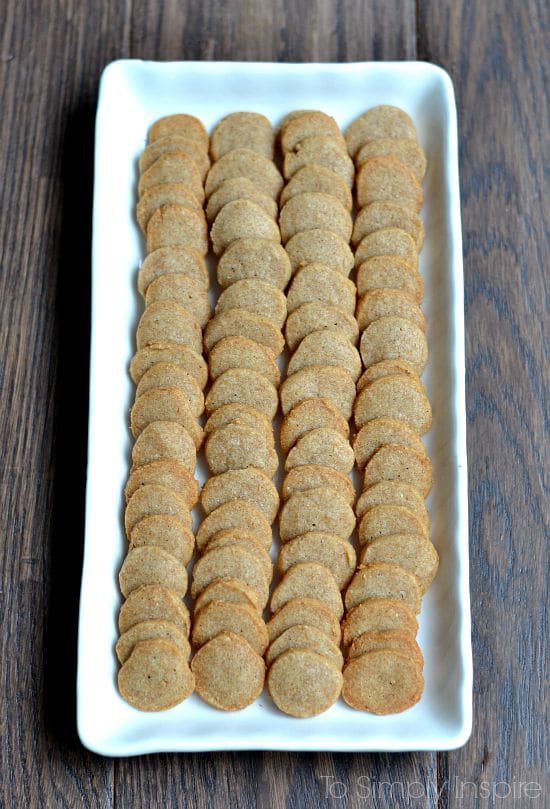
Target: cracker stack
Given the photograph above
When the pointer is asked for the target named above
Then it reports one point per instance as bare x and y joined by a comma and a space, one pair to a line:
397, 562
316, 560
170, 374
231, 579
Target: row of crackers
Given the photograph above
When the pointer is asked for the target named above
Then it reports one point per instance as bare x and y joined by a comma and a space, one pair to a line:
170, 376
397, 562
232, 577
316, 560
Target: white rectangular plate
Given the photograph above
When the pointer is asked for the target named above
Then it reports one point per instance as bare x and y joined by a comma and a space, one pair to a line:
132, 95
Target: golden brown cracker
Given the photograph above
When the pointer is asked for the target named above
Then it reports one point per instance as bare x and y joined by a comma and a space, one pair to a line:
250, 484
156, 676
313, 317
400, 397
229, 674
254, 258
318, 509
308, 415
151, 565
324, 381
303, 683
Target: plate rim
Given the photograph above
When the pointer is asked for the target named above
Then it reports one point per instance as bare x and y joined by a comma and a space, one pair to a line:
453, 741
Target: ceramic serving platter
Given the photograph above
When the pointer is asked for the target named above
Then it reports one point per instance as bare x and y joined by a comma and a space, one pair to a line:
133, 94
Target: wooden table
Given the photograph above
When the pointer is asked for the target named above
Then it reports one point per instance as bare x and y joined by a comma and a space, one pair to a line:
51, 56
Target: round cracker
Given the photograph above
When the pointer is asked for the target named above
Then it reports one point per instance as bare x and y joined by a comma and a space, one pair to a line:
308, 124
385, 368
314, 317
236, 514
414, 552
164, 404
251, 485
302, 636
246, 540
408, 151
245, 163
151, 500
147, 630
394, 492
326, 347
238, 130
166, 473
230, 591
183, 260
167, 321
240, 352
256, 296
379, 215
383, 580
175, 143
378, 615
322, 446
240, 188
234, 561
184, 291
166, 532
324, 381
153, 602
382, 681
307, 611
313, 210
382, 121
180, 124
165, 194
172, 225
387, 179
314, 476
337, 555
176, 167
379, 303
389, 272
384, 520
228, 673
387, 242
308, 580
165, 440
308, 415
316, 283
175, 353
399, 397
254, 258
394, 639
316, 510
378, 432
323, 150
237, 446
303, 683
246, 387
240, 414
151, 565
156, 676
169, 375
242, 219
319, 247
394, 338
400, 463
314, 177
239, 322
221, 616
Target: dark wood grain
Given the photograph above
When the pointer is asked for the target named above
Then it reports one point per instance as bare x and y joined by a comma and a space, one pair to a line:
495, 53
49, 62
51, 56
